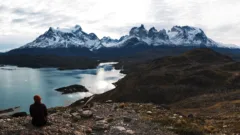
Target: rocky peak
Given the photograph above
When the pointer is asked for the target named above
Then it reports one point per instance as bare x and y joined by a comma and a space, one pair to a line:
152, 32
162, 34
108, 39
92, 36
140, 32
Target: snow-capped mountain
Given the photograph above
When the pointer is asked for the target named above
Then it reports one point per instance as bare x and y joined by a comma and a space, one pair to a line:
76, 37
64, 38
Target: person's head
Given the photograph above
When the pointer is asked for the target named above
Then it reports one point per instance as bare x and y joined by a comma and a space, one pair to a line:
37, 99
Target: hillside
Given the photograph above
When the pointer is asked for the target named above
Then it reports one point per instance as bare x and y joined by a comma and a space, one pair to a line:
174, 78
40, 61
194, 93
122, 119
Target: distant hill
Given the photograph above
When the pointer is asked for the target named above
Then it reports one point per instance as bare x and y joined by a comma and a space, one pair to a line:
39, 61
174, 78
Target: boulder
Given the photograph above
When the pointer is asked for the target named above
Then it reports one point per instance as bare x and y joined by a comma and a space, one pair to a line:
190, 116
149, 112
97, 118
101, 125
130, 132
19, 114
127, 119
87, 114
109, 101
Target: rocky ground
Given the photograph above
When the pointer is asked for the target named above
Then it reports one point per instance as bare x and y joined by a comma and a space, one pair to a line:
100, 119
116, 119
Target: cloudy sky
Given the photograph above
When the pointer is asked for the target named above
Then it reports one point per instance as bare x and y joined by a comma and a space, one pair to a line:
21, 21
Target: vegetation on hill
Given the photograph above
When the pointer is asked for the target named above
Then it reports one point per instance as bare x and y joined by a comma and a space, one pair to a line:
174, 78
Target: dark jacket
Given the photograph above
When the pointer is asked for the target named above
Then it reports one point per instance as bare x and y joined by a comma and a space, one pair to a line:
38, 112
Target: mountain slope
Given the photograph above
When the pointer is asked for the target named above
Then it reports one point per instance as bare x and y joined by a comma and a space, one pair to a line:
171, 79
65, 38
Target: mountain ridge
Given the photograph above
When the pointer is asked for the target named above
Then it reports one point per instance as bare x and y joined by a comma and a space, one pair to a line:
76, 37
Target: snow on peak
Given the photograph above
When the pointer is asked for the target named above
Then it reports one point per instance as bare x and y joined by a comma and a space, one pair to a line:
69, 30
75, 37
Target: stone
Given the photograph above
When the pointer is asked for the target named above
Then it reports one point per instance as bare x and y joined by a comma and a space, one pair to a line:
65, 115
122, 105
120, 128
5, 117
109, 101
109, 119
114, 107
88, 130
97, 118
190, 116
87, 114
19, 114
77, 133
77, 118
127, 119
82, 102
75, 114
130, 132
163, 106
149, 112
101, 125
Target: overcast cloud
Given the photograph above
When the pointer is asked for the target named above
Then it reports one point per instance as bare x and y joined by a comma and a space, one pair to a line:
21, 21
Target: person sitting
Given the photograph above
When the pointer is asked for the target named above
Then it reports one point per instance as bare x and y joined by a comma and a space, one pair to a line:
38, 112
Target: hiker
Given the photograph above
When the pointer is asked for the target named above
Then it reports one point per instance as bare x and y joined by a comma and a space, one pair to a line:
38, 112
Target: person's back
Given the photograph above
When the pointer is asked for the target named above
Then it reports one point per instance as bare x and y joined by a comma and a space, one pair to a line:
38, 112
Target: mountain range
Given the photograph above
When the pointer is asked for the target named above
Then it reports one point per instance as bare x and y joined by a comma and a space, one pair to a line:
76, 37
75, 42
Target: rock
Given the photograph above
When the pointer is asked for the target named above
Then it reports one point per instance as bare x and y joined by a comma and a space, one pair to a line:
114, 107
101, 125
65, 115
97, 118
149, 112
5, 117
77, 118
86, 107
77, 133
163, 106
19, 114
87, 114
88, 130
75, 114
109, 119
127, 119
109, 101
130, 132
122, 105
190, 116
8, 119
120, 128
82, 102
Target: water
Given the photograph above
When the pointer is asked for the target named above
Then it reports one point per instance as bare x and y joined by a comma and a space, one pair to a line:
19, 85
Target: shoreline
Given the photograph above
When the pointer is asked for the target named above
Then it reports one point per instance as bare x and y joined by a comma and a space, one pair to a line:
101, 64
